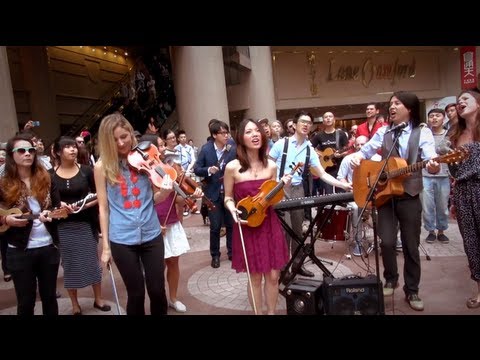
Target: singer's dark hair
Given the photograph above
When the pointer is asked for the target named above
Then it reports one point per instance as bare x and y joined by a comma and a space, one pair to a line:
436, 111
411, 102
242, 155
302, 113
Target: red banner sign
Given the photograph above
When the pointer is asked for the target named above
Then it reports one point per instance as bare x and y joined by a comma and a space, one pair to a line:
468, 67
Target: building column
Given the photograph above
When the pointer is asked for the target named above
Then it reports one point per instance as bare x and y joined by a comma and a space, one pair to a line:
7, 100
260, 85
43, 106
200, 90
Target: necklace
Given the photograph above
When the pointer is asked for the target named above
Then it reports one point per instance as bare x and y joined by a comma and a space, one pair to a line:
255, 171
127, 204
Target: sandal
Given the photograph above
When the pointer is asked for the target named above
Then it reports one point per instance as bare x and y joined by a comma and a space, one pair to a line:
7, 278
473, 303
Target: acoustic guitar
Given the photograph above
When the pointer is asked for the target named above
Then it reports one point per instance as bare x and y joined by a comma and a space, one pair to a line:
60, 213
54, 214
391, 181
326, 156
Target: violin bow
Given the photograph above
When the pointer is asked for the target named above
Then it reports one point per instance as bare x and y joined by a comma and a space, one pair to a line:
109, 266
246, 265
164, 228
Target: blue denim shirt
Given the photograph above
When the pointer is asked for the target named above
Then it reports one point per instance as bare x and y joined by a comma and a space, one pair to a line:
132, 226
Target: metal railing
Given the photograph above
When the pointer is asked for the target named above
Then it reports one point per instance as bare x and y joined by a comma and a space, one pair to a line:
98, 108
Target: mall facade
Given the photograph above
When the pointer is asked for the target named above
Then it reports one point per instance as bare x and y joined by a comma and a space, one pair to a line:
57, 84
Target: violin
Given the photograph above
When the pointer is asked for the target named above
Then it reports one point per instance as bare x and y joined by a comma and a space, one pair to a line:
188, 185
144, 157
254, 208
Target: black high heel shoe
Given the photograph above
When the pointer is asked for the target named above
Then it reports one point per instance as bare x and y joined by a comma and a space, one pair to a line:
105, 307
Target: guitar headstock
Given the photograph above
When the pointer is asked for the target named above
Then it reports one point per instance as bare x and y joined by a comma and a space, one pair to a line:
455, 156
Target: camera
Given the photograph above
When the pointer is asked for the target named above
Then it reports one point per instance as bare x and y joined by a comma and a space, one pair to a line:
35, 123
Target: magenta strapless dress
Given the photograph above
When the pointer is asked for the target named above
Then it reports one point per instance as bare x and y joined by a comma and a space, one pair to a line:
265, 246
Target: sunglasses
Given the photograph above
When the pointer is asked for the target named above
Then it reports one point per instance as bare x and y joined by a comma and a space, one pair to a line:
23, 150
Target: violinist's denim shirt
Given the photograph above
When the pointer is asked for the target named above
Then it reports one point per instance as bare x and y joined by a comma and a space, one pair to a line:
132, 226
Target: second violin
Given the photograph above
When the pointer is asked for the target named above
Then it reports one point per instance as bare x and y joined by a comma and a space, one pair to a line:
188, 185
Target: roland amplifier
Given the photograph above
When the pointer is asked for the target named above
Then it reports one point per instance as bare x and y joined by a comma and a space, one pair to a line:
353, 296
304, 297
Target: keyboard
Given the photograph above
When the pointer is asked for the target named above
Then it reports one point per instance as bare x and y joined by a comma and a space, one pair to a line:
313, 201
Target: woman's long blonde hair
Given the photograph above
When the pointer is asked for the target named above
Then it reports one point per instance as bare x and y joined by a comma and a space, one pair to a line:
107, 147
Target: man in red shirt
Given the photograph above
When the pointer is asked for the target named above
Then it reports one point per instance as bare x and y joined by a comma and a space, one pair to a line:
371, 125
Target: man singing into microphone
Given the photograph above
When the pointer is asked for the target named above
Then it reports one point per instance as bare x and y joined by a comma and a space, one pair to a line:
415, 144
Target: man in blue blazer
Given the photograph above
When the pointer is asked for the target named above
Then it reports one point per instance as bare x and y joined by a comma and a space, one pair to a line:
210, 165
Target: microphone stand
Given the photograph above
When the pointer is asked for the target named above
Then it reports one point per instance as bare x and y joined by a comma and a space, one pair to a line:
371, 198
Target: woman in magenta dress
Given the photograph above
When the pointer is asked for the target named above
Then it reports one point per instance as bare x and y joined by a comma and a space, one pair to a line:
265, 245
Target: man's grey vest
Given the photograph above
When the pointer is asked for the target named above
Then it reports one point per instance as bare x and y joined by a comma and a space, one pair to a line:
412, 184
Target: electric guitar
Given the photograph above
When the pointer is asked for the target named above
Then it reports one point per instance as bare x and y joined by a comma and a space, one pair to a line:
326, 156
391, 180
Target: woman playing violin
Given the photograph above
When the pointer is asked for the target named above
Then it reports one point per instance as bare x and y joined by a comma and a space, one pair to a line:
171, 146
174, 236
129, 225
265, 245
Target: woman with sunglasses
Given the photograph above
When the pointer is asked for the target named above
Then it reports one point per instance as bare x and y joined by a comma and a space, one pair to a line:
32, 255
3, 240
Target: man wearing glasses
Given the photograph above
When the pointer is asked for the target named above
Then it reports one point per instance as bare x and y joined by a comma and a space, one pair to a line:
298, 150
210, 165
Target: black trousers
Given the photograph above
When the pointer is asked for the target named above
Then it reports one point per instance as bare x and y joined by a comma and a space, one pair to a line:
3, 252
405, 211
218, 217
131, 261
32, 265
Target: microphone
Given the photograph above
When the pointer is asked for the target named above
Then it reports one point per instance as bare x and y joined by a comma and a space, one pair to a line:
400, 126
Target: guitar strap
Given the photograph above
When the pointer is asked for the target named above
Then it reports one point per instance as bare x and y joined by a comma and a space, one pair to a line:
284, 157
306, 173
413, 143
337, 140
307, 164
